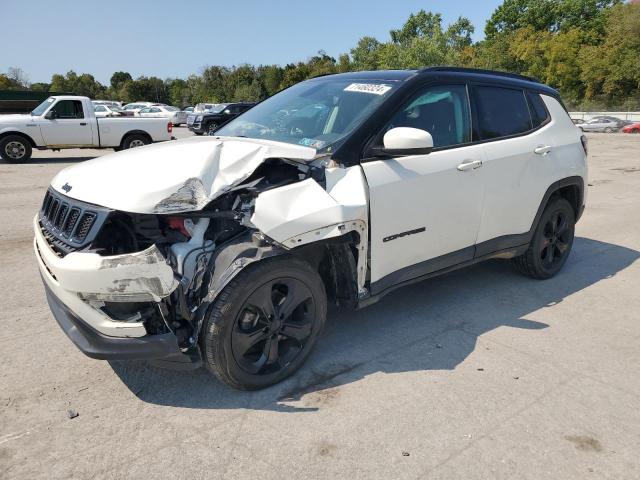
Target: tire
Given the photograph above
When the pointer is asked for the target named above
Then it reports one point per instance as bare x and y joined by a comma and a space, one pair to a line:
635, 130
245, 348
199, 133
210, 128
551, 243
134, 141
15, 149
608, 130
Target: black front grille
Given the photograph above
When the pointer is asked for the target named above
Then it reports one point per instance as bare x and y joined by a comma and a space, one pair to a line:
67, 224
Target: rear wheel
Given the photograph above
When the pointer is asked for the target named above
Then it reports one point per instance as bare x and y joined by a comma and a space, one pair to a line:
551, 243
133, 141
15, 149
608, 130
264, 323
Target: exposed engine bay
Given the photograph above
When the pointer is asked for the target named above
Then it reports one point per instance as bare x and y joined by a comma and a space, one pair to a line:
283, 206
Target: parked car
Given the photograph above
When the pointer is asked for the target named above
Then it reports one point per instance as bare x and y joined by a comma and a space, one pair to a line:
69, 121
606, 118
209, 121
107, 102
632, 128
599, 125
102, 110
174, 114
131, 109
206, 107
188, 110
226, 250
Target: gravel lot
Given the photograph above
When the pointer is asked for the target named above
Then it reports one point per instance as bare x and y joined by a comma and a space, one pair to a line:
478, 374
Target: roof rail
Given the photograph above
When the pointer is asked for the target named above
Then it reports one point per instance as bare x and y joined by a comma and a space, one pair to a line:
482, 71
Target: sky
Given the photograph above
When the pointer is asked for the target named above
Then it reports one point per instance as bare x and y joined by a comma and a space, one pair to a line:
177, 38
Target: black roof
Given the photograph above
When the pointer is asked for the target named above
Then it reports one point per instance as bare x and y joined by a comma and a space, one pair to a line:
469, 73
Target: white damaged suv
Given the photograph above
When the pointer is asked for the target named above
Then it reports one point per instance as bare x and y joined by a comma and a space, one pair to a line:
225, 250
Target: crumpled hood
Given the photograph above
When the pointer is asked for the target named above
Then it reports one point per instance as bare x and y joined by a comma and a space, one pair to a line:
171, 177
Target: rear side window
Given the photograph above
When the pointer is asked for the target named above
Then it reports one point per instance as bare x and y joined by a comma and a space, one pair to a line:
500, 112
539, 113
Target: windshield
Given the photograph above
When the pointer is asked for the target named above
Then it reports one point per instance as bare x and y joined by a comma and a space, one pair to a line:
317, 113
40, 109
115, 108
211, 107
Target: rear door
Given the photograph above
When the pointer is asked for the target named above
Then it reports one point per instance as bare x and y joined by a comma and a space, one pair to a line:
70, 127
514, 128
425, 209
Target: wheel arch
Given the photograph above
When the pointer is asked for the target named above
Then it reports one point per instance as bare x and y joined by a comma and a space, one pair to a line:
335, 260
571, 189
19, 134
135, 132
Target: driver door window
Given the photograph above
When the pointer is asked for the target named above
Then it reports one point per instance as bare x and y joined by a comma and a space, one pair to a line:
443, 111
66, 109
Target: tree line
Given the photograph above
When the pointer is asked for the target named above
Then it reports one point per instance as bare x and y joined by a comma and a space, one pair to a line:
588, 49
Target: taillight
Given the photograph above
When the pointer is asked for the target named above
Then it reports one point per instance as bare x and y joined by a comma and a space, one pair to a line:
584, 141
169, 127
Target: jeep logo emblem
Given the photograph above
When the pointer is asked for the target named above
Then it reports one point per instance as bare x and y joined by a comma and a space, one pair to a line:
66, 187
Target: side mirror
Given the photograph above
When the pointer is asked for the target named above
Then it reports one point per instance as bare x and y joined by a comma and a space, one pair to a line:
404, 141
51, 115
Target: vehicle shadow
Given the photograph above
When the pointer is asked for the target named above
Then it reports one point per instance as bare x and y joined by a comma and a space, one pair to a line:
384, 337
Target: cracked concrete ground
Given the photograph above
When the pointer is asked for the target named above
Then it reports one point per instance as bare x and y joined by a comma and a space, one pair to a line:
478, 374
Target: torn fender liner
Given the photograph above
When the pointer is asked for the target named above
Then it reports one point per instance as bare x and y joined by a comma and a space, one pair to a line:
172, 177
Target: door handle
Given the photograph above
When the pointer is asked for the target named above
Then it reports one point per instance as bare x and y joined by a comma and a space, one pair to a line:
542, 149
84, 124
469, 165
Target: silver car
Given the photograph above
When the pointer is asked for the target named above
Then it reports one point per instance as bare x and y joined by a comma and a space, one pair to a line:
599, 125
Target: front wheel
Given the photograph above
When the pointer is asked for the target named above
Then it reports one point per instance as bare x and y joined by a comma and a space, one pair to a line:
608, 130
15, 149
551, 242
264, 323
211, 128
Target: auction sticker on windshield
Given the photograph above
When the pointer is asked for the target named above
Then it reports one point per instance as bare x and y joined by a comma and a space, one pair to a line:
375, 88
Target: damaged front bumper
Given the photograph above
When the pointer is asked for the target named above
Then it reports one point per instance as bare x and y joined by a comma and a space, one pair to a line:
77, 285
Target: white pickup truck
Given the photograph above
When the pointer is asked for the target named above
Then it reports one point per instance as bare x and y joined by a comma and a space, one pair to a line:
68, 121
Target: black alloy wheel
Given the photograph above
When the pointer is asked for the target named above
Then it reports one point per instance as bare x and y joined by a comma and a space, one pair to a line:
211, 128
551, 243
264, 323
557, 238
273, 326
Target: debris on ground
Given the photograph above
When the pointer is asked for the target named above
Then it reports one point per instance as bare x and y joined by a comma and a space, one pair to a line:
438, 345
480, 369
72, 413
405, 454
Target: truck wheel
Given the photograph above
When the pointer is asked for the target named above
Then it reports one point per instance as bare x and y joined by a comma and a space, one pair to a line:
211, 128
551, 243
15, 149
133, 141
264, 323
